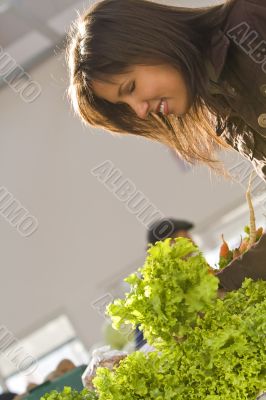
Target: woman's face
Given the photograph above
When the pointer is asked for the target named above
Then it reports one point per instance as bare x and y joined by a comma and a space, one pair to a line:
145, 89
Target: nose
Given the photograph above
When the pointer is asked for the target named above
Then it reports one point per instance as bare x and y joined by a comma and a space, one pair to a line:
141, 108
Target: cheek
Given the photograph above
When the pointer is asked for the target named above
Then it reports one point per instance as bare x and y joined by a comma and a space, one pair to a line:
174, 86
180, 92
151, 88
179, 84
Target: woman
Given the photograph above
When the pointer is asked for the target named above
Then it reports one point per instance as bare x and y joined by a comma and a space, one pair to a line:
193, 79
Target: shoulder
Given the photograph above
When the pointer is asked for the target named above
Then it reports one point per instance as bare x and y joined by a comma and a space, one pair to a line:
245, 27
246, 16
257, 3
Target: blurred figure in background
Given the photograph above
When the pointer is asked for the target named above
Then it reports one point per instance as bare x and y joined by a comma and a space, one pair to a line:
179, 228
64, 366
8, 396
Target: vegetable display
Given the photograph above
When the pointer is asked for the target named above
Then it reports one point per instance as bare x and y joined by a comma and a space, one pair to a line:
207, 348
252, 236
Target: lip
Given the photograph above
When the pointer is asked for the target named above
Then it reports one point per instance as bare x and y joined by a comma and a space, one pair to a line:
166, 107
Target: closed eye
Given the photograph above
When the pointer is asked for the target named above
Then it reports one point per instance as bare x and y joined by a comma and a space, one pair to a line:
132, 88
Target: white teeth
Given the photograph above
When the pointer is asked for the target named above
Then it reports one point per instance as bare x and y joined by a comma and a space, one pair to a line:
162, 107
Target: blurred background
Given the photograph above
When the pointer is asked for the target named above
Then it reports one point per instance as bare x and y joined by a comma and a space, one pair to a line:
77, 239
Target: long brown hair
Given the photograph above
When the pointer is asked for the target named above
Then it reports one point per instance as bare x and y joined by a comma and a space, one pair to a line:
114, 35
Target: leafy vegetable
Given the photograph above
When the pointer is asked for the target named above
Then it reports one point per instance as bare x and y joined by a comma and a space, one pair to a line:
226, 255
70, 394
222, 357
207, 348
174, 286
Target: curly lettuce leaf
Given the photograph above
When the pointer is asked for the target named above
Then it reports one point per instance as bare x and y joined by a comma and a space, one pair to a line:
168, 293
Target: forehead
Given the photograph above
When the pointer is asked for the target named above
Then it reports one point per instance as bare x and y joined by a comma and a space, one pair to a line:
100, 88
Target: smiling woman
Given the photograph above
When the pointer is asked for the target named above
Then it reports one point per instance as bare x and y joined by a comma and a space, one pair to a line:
170, 74
147, 89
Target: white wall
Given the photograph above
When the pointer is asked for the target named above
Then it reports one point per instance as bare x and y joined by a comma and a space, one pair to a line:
85, 236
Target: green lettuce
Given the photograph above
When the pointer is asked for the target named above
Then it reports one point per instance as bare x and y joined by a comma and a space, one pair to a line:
223, 357
70, 394
168, 293
207, 348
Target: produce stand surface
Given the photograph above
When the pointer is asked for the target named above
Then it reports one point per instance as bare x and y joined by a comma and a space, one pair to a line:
71, 378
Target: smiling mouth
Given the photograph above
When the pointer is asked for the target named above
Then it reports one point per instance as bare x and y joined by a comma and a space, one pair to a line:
163, 107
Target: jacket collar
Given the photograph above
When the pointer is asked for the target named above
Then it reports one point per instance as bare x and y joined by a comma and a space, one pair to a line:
217, 54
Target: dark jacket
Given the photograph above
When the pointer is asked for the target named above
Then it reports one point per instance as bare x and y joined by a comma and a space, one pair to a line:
241, 45
238, 49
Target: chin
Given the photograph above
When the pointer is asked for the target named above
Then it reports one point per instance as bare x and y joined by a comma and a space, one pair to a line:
177, 113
